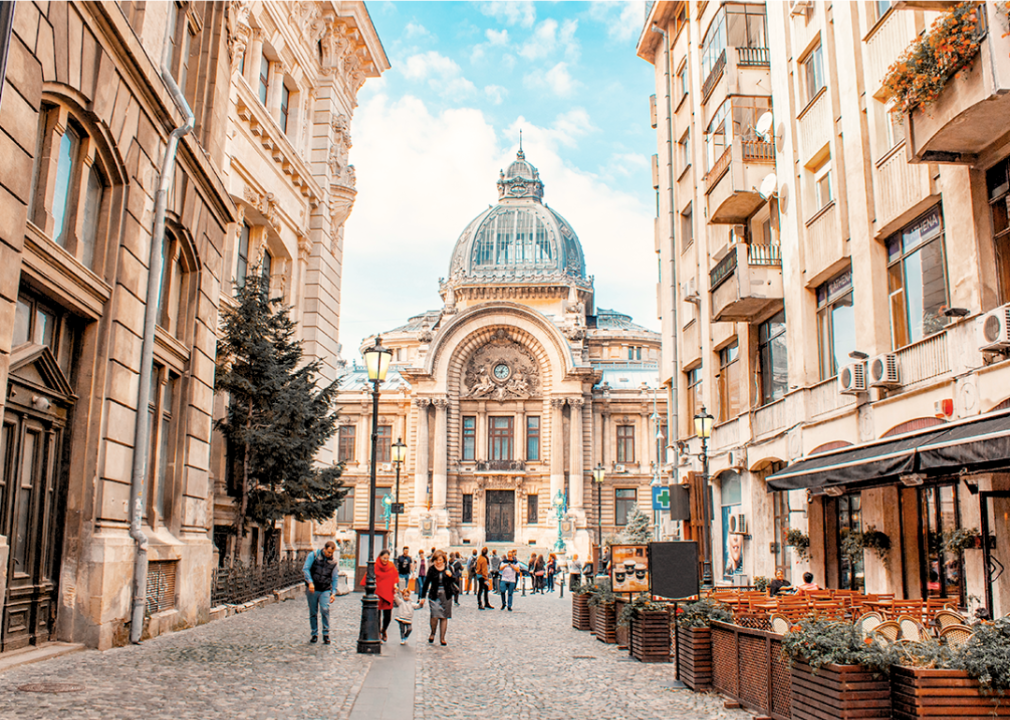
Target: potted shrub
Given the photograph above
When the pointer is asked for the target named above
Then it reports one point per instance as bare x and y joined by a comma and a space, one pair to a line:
837, 672
956, 541
800, 543
603, 613
649, 624
694, 636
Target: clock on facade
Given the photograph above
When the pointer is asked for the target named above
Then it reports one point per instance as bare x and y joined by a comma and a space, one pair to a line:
502, 371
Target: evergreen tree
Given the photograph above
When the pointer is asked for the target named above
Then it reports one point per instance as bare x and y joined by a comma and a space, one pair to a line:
637, 530
277, 417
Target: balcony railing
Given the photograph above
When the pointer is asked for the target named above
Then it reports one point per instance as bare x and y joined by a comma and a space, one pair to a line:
713, 76
723, 269
719, 168
758, 151
500, 466
758, 254
752, 56
923, 360
769, 419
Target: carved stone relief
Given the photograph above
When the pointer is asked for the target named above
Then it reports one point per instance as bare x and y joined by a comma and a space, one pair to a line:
502, 370
266, 204
239, 31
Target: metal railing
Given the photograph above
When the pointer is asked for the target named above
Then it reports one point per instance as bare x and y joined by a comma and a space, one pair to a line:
752, 56
758, 254
502, 465
719, 168
241, 583
758, 151
923, 360
713, 76
723, 269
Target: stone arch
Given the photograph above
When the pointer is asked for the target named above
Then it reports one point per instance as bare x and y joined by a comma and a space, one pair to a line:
829, 446
913, 425
767, 465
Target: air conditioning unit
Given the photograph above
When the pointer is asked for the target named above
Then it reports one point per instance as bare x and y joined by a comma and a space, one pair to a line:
884, 371
994, 329
738, 524
852, 378
799, 7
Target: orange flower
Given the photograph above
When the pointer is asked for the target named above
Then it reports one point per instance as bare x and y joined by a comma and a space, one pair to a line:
795, 628
867, 641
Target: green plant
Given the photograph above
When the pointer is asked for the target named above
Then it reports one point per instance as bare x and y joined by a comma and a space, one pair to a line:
917, 77
637, 530
702, 612
761, 583
640, 603
986, 655
955, 541
852, 545
800, 543
822, 642
878, 542
603, 595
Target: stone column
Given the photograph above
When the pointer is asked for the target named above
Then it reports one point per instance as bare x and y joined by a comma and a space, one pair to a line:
274, 90
440, 476
481, 433
557, 448
576, 476
252, 65
520, 433
421, 455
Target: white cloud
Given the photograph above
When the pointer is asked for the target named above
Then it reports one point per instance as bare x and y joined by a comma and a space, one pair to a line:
626, 164
417, 30
423, 176
510, 12
496, 93
547, 38
556, 80
497, 37
443, 74
623, 20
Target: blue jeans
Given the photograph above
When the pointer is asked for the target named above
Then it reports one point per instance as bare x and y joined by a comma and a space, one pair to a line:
405, 580
420, 582
507, 588
319, 602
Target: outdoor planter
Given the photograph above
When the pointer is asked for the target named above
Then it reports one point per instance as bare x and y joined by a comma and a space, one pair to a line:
605, 623
580, 612
839, 691
695, 657
932, 693
622, 631
650, 636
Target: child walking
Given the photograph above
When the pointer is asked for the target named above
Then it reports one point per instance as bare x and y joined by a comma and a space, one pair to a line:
405, 613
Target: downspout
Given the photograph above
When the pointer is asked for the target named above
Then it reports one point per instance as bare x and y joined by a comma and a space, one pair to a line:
141, 436
672, 407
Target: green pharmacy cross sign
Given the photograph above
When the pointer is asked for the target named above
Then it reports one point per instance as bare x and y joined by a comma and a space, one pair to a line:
660, 498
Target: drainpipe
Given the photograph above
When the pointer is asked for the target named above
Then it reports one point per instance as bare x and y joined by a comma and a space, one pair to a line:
141, 435
672, 408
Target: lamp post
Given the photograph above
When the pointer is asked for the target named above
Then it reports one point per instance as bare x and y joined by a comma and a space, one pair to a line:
377, 360
703, 429
399, 455
599, 475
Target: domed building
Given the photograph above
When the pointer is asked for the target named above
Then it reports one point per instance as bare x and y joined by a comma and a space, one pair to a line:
509, 395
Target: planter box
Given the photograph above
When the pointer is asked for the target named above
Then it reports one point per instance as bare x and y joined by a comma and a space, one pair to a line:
605, 623
747, 665
622, 632
580, 612
695, 657
928, 693
650, 636
839, 691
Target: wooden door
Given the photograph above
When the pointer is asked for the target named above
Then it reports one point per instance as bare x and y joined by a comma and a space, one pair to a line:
500, 515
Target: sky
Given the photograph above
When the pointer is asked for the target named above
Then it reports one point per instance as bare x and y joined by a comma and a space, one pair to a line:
430, 136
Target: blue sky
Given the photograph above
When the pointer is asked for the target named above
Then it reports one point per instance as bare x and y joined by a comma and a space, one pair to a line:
431, 135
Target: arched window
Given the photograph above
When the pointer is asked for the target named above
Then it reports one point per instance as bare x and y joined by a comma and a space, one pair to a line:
177, 281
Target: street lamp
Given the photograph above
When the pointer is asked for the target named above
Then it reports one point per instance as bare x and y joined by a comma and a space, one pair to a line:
599, 474
703, 429
399, 455
377, 360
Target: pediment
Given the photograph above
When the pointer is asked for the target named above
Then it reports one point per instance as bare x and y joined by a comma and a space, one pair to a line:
35, 365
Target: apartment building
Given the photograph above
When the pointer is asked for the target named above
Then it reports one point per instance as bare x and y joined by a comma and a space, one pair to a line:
832, 288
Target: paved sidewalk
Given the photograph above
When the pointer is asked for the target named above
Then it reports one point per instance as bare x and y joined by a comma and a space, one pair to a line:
258, 665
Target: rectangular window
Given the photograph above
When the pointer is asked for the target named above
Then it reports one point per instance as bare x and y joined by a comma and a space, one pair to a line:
625, 443
822, 185
730, 383
383, 449
661, 444
917, 280
813, 72
836, 323
684, 147
66, 170
713, 46
686, 228
745, 26
998, 185
267, 267
682, 83
160, 407
467, 508
532, 509
500, 438
345, 513
285, 98
533, 438
772, 358
242, 264
695, 402
264, 83
345, 446
939, 514
469, 437
878, 8
894, 126
624, 504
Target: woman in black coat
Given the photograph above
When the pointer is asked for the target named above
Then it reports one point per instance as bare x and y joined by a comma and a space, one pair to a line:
440, 587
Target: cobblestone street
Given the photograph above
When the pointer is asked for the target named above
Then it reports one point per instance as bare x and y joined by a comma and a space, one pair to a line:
529, 663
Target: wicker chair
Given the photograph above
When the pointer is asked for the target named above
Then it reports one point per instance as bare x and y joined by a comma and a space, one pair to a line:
946, 618
911, 628
956, 634
869, 621
780, 624
887, 631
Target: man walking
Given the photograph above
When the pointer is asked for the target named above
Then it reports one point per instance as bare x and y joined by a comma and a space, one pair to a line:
320, 570
403, 564
495, 564
510, 570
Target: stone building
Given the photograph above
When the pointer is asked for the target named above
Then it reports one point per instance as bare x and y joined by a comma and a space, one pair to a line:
296, 69
509, 394
833, 289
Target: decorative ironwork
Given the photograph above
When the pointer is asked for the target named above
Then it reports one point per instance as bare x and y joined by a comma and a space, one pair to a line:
241, 583
752, 56
758, 254
723, 269
759, 151
713, 76
500, 466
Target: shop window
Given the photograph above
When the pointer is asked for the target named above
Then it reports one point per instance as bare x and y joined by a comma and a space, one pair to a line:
467, 508
500, 437
625, 500
998, 186
345, 513
695, 401
347, 437
917, 280
469, 437
532, 509
730, 383
836, 323
939, 514
625, 443
850, 519
383, 449
533, 438
812, 73
732, 543
773, 362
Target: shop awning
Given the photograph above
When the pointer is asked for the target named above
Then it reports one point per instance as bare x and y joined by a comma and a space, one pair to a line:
982, 443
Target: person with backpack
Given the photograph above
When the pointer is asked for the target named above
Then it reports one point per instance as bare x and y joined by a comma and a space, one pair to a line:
403, 564
481, 574
321, 570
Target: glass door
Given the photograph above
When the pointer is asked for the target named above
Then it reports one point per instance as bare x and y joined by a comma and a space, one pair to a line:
850, 519
938, 514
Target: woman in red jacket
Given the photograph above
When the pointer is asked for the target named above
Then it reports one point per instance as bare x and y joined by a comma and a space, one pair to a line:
386, 577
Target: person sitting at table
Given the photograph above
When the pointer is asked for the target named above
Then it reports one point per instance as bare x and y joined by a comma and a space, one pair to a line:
778, 584
808, 582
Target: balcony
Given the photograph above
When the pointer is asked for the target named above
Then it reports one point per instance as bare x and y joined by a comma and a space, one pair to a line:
731, 186
745, 71
746, 283
971, 112
497, 467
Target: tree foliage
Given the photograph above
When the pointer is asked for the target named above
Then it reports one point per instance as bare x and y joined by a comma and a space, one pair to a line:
637, 530
278, 417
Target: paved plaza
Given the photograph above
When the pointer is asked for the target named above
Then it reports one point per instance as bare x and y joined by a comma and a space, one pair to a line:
529, 663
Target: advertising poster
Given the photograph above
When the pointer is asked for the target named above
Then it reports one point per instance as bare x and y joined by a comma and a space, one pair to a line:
629, 571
